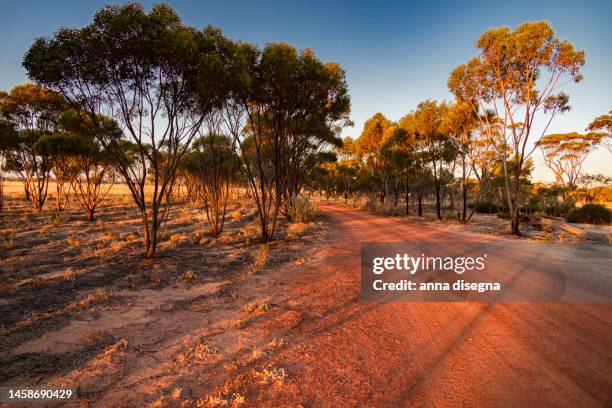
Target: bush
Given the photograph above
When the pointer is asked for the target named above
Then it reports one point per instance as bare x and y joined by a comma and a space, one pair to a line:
559, 210
530, 208
450, 217
486, 207
590, 214
302, 209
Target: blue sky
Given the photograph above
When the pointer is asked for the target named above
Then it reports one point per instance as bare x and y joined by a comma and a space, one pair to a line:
396, 54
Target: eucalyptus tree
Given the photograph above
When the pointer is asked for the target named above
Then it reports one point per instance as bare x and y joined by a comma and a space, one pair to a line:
459, 124
309, 143
404, 163
60, 149
518, 75
93, 170
565, 153
33, 111
216, 165
375, 151
346, 165
602, 125
436, 147
153, 75
483, 156
282, 105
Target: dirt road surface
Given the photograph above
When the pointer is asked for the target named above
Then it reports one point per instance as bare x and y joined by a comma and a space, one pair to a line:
354, 353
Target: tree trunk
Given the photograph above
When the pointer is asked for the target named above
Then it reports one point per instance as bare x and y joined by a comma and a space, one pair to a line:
407, 199
90, 214
438, 206
464, 209
420, 210
58, 199
515, 223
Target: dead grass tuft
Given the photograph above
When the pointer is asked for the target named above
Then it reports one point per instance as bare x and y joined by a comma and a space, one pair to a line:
200, 351
270, 375
9, 238
220, 400
248, 232
69, 274
72, 241
297, 229
112, 353
260, 258
276, 344
56, 218
189, 275
178, 237
99, 295
257, 307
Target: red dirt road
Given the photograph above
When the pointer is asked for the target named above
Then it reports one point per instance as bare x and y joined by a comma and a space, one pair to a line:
351, 353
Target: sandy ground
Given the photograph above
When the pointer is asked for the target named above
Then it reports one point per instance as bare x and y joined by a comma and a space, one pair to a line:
292, 332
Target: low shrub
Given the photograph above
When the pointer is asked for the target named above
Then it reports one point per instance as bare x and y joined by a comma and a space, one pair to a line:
450, 217
486, 207
590, 214
560, 209
302, 209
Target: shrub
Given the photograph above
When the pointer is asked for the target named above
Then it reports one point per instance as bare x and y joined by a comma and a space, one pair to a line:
450, 217
590, 214
257, 307
486, 207
530, 208
560, 209
296, 229
302, 209
260, 258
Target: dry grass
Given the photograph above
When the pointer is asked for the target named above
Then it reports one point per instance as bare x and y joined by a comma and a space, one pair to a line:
296, 229
88, 277
260, 258
270, 374
257, 307
200, 351
178, 237
219, 400
111, 354
97, 296
9, 238
69, 274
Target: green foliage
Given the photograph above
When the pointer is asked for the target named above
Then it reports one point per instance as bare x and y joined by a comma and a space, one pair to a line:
487, 207
590, 214
9, 139
63, 145
560, 209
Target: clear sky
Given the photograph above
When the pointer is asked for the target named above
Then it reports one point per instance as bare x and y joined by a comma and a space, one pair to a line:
396, 54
